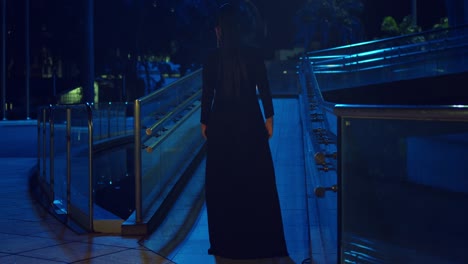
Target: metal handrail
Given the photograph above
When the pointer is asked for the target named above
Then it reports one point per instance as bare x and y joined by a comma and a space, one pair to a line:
404, 112
350, 64
372, 53
386, 42
151, 147
158, 93
180, 107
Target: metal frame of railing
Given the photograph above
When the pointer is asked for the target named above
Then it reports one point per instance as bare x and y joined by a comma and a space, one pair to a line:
140, 137
404, 112
49, 184
47, 141
138, 174
97, 116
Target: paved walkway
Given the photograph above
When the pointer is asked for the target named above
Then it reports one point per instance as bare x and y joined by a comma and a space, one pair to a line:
29, 234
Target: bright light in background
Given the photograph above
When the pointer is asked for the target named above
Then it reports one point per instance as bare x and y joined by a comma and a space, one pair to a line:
75, 96
96, 93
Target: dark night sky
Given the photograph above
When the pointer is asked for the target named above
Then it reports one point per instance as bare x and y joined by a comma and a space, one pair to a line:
279, 15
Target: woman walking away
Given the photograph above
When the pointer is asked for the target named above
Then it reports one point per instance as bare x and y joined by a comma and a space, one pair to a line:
244, 215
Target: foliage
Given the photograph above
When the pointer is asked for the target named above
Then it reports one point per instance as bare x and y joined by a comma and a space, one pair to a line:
330, 22
390, 27
407, 26
443, 23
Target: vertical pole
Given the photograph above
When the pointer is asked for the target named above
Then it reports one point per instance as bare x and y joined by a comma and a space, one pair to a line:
465, 13
457, 12
44, 155
68, 138
340, 188
90, 169
54, 85
51, 151
27, 52
39, 141
101, 133
414, 12
109, 120
89, 89
123, 93
3, 59
138, 180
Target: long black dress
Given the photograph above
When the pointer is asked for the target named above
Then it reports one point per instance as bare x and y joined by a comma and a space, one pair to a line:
244, 215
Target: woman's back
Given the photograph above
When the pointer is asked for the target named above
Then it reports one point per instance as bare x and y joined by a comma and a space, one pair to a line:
234, 75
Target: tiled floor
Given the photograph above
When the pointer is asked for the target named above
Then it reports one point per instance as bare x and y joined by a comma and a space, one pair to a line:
29, 234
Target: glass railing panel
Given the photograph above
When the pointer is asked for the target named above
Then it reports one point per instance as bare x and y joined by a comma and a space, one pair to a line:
80, 182
403, 188
162, 102
169, 138
114, 184
111, 120
43, 135
58, 153
70, 155
165, 157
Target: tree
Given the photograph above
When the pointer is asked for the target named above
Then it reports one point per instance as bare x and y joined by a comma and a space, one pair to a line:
330, 22
407, 26
390, 27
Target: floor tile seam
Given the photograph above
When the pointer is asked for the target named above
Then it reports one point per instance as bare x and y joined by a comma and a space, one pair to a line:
26, 256
38, 220
109, 254
29, 235
25, 236
38, 248
136, 247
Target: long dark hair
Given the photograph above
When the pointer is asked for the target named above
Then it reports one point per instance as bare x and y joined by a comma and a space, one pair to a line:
229, 25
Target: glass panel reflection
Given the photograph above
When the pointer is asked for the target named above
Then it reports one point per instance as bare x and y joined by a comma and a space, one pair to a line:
403, 191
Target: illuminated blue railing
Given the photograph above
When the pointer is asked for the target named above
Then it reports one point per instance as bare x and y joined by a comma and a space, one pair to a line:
429, 53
